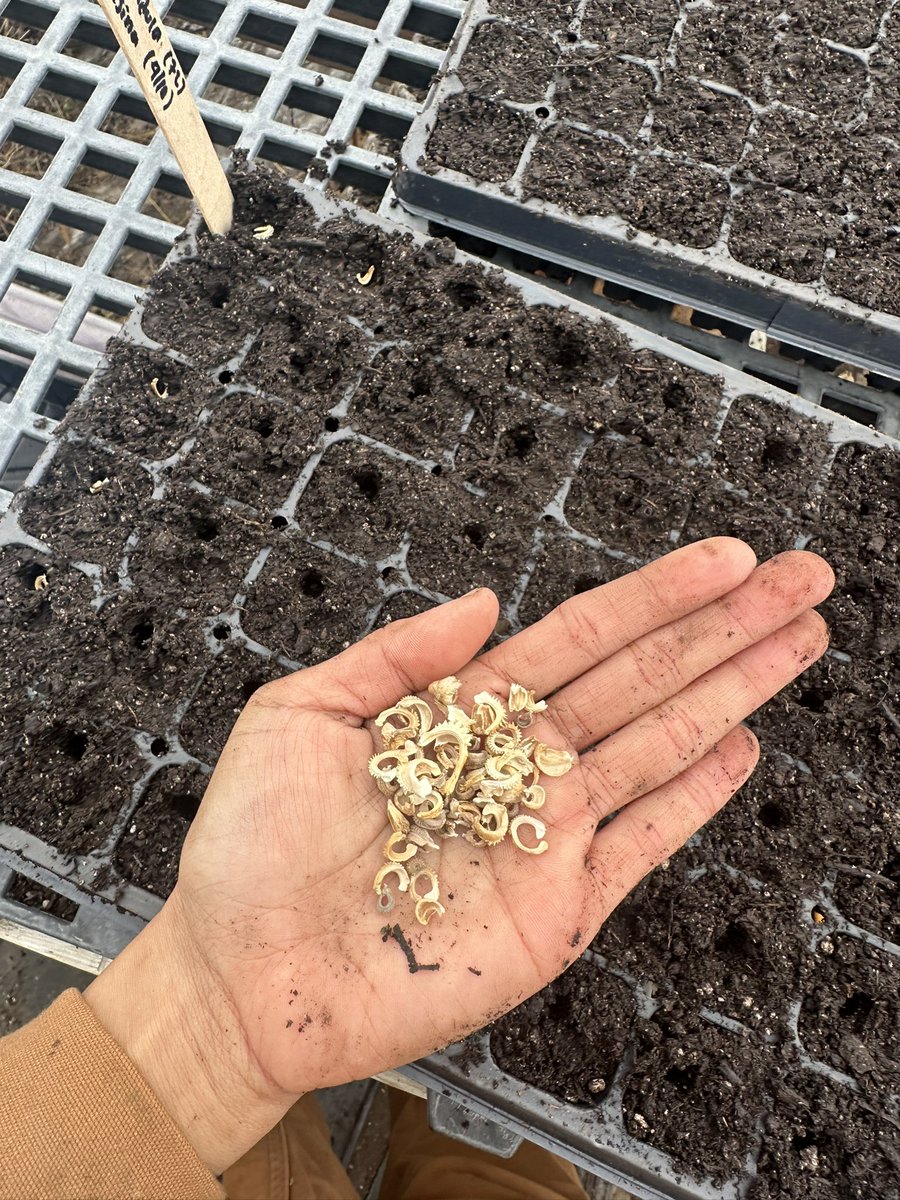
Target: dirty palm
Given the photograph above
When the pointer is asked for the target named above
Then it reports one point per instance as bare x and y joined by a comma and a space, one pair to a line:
646, 682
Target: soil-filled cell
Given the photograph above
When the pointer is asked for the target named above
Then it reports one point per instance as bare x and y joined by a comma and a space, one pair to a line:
783, 233
565, 568
865, 268
695, 1091
252, 450
671, 200
850, 22
479, 138
569, 1039
402, 606
870, 896
361, 500
517, 452
461, 541
201, 309
701, 123
849, 1017
150, 849
765, 446
231, 681
308, 605
627, 497
195, 549
547, 16
857, 533
604, 92
734, 948
777, 829
806, 73
640, 27
307, 358
410, 401
832, 719
165, 399
717, 512
719, 44
65, 783
504, 62
40, 599
577, 171
659, 403
802, 153
151, 660
822, 1141
85, 505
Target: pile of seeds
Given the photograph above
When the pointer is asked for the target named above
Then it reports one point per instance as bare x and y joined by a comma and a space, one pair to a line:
469, 775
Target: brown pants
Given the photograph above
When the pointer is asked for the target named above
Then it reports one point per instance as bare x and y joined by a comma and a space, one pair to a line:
295, 1162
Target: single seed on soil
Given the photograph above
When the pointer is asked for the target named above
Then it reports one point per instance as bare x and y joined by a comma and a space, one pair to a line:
97, 486
40, 583
262, 233
154, 388
366, 278
465, 775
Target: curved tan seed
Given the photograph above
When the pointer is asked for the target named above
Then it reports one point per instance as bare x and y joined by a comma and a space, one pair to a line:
426, 909
534, 797
392, 869
392, 854
445, 691
433, 891
526, 821
550, 761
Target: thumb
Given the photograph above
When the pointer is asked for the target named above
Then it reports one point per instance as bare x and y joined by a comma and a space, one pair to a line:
404, 657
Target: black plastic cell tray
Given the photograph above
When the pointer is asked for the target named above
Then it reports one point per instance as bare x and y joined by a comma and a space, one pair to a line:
110, 911
809, 316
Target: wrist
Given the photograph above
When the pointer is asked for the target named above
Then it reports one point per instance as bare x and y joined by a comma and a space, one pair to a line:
174, 1020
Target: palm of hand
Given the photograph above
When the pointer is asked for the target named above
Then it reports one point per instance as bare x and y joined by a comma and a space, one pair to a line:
302, 908
649, 678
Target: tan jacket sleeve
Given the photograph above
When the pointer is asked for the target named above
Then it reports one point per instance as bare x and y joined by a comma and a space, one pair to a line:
79, 1122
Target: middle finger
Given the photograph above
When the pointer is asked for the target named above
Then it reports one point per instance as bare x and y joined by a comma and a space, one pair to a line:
659, 665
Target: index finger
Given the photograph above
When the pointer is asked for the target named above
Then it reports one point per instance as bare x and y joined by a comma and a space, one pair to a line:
590, 627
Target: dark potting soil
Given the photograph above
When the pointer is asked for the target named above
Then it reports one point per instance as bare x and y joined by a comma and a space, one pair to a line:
626, 117
577, 1033
328, 484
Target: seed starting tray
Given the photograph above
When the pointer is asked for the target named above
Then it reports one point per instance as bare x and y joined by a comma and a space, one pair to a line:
647, 178
108, 910
90, 197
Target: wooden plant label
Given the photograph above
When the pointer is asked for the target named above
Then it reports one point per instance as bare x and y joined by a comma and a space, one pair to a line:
155, 66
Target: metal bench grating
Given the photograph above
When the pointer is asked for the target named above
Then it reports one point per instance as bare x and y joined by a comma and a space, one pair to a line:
90, 198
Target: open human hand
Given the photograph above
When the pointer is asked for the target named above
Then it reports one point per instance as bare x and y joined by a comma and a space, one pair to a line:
271, 947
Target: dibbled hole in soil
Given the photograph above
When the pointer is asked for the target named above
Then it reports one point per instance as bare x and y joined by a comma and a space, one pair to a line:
65, 783
760, 443
252, 450
361, 501
696, 1091
231, 681
484, 545
199, 311
303, 359
510, 439
568, 1039
849, 1016
201, 547
85, 503
308, 605
150, 849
